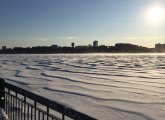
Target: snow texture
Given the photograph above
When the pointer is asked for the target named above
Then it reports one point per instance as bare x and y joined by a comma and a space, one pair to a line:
3, 116
105, 86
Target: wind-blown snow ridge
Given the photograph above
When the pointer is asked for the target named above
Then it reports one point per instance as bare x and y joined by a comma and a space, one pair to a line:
106, 86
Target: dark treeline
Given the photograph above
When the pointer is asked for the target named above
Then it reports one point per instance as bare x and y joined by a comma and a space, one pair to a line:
118, 48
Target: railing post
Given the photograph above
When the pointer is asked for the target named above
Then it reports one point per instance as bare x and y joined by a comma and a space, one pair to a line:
2, 93
63, 115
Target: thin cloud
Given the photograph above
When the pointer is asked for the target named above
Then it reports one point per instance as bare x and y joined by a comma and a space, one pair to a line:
69, 38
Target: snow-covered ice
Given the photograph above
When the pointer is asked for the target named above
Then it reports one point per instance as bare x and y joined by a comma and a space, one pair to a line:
3, 116
105, 86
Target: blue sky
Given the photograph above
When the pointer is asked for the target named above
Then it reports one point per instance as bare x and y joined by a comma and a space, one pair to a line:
46, 22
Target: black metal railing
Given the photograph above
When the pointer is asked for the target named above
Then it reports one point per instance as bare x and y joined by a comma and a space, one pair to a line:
20, 104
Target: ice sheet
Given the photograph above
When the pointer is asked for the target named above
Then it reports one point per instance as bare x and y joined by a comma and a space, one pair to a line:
105, 86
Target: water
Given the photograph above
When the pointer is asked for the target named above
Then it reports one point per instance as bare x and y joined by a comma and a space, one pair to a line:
106, 86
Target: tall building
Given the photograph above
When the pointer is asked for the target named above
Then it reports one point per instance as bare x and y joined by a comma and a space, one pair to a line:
72, 44
3, 47
54, 46
160, 47
95, 43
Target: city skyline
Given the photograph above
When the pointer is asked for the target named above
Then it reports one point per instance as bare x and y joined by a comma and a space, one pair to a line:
46, 22
95, 43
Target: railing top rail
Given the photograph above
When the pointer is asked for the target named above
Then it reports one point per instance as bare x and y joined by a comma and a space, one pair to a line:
49, 103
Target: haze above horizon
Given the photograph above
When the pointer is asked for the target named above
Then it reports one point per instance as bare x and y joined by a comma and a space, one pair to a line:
46, 22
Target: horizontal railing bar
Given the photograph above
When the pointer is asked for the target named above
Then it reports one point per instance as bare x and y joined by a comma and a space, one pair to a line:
39, 99
31, 105
49, 103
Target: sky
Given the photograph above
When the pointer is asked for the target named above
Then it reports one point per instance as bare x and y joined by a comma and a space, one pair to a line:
27, 23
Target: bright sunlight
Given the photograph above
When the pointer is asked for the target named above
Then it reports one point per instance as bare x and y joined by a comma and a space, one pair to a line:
155, 14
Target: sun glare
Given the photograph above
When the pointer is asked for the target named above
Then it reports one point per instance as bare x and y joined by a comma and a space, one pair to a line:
155, 14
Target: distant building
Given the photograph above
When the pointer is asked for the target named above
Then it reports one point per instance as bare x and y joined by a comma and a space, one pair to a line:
54, 46
95, 43
160, 47
3, 47
72, 44
81, 47
89, 45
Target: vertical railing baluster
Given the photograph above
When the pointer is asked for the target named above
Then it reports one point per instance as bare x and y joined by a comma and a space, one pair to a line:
16, 106
63, 116
28, 112
10, 106
13, 104
19, 109
5, 101
13, 107
39, 115
8, 102
47, 113
35, 105
24, 107
43, 116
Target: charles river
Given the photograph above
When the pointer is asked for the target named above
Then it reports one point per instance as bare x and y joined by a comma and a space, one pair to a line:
105, 86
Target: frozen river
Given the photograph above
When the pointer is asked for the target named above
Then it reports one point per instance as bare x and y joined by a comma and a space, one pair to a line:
105, 86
